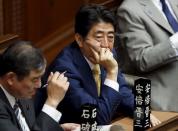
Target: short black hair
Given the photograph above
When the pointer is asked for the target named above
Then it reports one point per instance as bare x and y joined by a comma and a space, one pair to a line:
21, 57
88, 15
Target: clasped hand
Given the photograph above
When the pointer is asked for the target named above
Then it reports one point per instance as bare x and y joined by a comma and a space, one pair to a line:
104, 57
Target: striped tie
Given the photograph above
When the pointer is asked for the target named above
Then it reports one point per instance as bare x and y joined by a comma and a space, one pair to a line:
96, 74
20, 118
172, 21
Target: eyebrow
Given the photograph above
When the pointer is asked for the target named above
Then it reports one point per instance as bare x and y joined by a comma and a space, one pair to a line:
100, 32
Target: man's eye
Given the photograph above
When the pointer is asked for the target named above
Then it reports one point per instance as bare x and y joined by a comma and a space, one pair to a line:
111, 37
98, 37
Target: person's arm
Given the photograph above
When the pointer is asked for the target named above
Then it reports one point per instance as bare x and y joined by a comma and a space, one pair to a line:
144, 54
57, 87
106, 58
79, 94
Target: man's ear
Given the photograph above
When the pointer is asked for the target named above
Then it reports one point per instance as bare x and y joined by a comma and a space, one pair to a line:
79, 39
10, 77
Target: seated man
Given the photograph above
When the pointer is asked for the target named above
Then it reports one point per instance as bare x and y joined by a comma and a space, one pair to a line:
94, 35
21, 68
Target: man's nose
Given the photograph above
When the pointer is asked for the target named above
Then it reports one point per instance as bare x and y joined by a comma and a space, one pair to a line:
105, 43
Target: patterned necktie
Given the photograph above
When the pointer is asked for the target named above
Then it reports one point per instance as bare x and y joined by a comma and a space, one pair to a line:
96, 74
20, 118
172, 21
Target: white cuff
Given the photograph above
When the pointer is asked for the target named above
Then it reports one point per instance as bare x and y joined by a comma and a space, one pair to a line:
52, 112
174, 42
104, 127
112, 84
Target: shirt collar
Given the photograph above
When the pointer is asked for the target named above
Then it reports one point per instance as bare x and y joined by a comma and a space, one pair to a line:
91, 65
157, 3
10, 98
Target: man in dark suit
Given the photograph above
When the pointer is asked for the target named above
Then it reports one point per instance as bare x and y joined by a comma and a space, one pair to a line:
149, 33
94, 35
21, 68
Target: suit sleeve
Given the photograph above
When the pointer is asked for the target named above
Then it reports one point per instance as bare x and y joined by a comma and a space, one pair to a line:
46, 123
144, 53
43, 122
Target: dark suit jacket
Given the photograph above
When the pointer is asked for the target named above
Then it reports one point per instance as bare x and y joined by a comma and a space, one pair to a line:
83, 89
9, 122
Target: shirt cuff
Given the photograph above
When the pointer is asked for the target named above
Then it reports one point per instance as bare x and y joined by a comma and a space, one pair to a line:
174, 42
112, 84
52, 112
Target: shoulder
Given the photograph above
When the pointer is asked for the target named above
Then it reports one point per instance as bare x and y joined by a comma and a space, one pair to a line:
68, 51
130, 11
130, 6
5, 109
66, 59
126, 4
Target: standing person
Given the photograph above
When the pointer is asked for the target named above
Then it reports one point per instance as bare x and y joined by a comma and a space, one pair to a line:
149, 40
21, 68
93, 46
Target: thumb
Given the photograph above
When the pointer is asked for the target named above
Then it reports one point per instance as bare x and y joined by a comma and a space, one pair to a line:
50, 76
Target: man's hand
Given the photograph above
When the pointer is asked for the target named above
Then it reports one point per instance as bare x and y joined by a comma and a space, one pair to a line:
70, 127
57, 86
109, 63
104, 57
154, 121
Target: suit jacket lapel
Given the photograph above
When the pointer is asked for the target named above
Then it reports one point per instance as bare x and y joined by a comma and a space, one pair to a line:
5, 100
28, 111
85, 71
150, 9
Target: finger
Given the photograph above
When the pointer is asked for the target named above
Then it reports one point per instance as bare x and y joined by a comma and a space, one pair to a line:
64, 79
61, 76
154, 120
109, 53
67, 84
103, 53
157, 122
50, 76
95, 55
55, 75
